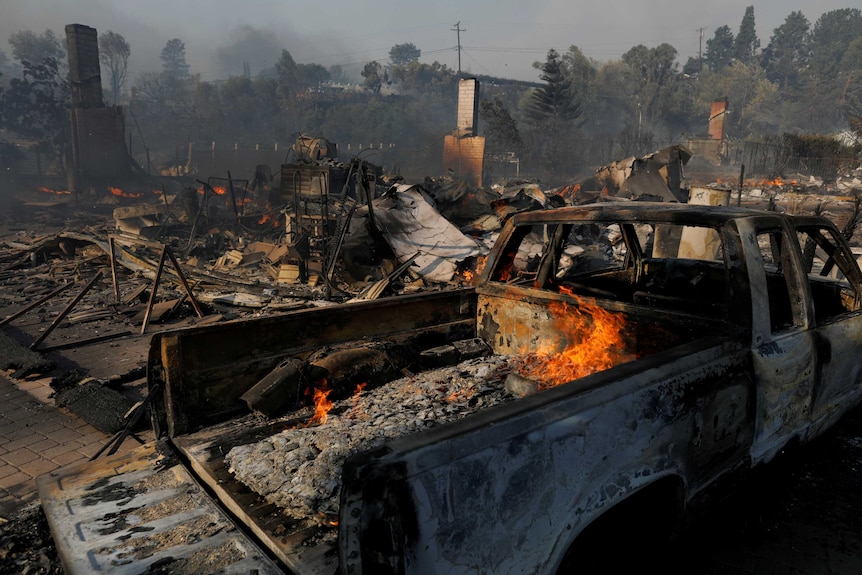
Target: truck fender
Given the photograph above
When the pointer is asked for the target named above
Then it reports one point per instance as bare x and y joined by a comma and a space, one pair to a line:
630, 533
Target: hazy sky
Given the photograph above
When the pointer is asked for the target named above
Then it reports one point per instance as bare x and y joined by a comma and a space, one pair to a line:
500, 37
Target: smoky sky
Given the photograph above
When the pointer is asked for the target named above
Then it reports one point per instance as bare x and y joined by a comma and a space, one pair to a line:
498, 37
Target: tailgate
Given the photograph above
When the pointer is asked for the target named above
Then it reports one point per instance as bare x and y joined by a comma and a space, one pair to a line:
141, 512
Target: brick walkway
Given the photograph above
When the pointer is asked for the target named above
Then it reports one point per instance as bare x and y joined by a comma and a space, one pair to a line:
36, 437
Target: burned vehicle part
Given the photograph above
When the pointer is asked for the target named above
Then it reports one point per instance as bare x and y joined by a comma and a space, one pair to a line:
720, 335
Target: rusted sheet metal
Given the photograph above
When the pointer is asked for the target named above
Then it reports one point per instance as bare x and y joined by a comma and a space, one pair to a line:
142, 512
207, 370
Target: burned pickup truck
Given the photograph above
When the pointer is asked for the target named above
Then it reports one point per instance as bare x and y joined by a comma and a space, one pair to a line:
615, 365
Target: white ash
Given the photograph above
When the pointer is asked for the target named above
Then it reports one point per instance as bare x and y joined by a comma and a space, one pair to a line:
299, 469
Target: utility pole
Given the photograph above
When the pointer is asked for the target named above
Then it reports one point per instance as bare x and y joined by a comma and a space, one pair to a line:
458, 29
699, 49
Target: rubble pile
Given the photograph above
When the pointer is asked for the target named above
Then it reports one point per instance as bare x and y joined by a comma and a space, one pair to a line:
299, 469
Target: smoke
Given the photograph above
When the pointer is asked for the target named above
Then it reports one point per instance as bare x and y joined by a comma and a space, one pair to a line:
248, 46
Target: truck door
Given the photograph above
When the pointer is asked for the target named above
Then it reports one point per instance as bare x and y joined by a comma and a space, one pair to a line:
783, 351
835, 284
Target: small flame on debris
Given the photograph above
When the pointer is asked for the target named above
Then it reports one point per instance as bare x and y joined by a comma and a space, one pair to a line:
471, 275
50, 191
597, 343
219, 190
322, 404
268, 219
120, 193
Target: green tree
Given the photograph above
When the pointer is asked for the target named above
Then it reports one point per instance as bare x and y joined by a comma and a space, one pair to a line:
501, 130
786, 56
719, 49
655, 71
582, 73
417, 78
287, 73
746, 45
833, 73
173, 58
114, 54
832, 34
36, 105
373, 74
312, 75
403, 54
555, 100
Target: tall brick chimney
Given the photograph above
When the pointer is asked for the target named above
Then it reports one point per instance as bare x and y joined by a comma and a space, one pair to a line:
99, 155
85, 76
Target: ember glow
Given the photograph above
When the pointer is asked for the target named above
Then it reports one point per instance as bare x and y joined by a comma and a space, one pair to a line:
50, 191
597, 343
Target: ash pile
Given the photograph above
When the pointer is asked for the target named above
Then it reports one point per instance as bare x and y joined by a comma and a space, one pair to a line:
299, 469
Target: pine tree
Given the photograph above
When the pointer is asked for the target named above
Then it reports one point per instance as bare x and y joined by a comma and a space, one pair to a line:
555, 100
719, 49
746, 45
173, 58
786, 55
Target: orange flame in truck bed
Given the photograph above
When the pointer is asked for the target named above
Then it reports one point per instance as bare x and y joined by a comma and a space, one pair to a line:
322, 404
597, 342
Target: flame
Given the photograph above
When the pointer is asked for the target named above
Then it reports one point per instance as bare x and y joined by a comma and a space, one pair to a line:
322, 404
597, 343
219, 190
267, 218
50, 191
774, 183
122, 194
